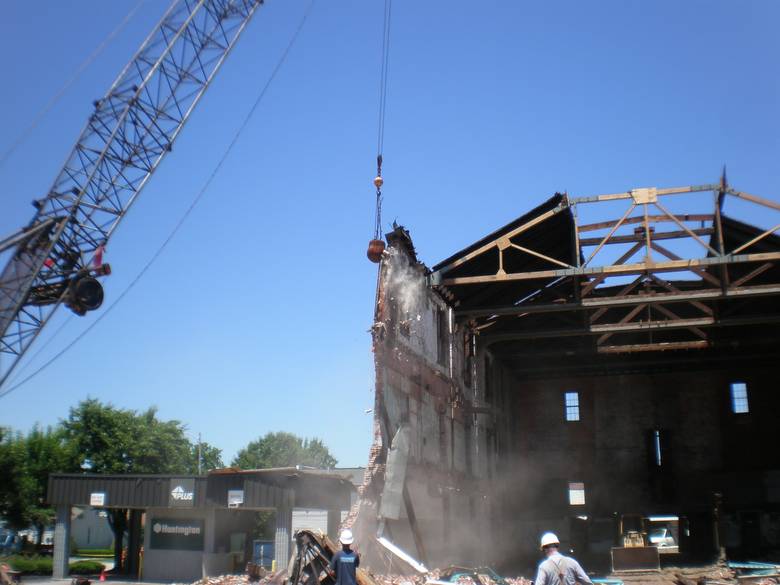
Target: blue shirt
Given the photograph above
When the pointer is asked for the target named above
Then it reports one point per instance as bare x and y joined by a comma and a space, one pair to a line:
551, 569
344, 565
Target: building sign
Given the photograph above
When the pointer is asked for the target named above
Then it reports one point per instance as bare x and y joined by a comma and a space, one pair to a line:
176, 534
182, 493
235, 498
97, 499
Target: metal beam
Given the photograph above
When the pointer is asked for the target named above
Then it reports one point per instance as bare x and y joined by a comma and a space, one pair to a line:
673, 289
641, 237
518, 230
631, 327
609, 302
631, 194
24, 234
669, 266
703, 274
753, 199
588, 287
662, 346
589, 227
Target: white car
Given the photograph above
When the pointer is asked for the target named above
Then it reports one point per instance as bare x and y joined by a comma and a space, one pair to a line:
661, 537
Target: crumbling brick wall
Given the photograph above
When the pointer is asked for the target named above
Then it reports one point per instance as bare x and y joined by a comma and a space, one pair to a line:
427, 382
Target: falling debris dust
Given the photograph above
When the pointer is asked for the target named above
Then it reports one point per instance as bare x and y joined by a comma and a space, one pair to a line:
408, 286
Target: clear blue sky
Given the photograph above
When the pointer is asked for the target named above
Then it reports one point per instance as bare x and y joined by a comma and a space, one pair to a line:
256, 317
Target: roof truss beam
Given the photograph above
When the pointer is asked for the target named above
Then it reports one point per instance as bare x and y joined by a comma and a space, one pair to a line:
622, 301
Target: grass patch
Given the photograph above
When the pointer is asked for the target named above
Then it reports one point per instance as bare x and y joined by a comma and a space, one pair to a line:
37, 565
86, 568
95, 552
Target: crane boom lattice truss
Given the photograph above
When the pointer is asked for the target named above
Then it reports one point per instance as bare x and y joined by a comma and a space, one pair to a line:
131, 130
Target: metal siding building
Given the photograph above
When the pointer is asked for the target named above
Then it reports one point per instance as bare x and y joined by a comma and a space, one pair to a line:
192, 531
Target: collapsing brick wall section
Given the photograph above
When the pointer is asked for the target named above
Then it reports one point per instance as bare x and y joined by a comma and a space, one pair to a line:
439, 509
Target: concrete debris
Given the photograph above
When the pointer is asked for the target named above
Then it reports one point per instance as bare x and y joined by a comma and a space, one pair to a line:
278, 578
435, 574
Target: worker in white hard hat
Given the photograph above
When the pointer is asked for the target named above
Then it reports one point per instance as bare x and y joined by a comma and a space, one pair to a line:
557, 569
345, 562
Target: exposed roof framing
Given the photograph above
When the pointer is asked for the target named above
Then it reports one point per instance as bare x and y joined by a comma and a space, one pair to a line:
648, 277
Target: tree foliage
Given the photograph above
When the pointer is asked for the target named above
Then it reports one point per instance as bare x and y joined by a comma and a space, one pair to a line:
114, 440
25, 464
210, 458
283, 449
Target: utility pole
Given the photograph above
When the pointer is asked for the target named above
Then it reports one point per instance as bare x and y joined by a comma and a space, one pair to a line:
200, 458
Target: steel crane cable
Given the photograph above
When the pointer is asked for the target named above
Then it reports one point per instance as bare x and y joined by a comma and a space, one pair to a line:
380, 141
184, 216
25, 134
383, 76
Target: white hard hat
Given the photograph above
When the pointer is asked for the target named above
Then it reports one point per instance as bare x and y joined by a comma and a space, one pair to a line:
549, 538
346, 537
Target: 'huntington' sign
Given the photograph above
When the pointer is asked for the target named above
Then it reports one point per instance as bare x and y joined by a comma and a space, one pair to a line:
176, 534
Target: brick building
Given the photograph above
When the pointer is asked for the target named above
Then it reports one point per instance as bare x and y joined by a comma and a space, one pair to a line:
597, 359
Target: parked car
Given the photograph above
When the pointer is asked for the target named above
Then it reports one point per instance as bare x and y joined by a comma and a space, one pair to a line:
661, 537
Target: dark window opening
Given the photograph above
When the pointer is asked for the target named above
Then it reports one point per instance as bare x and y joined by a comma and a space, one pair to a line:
442, 337
657, 447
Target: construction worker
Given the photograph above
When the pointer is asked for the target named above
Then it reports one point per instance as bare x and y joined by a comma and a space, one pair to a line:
557, 569
344, 563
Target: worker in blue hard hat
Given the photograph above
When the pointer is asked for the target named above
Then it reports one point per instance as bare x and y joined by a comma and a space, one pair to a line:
557, 569
345, 562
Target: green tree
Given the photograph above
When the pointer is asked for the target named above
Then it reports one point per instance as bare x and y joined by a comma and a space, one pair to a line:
283, 449
14, 485
25, 464
107, 439
210, 457
113, 440
48, 451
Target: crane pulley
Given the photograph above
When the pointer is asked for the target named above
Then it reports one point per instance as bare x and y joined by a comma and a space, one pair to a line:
58, 257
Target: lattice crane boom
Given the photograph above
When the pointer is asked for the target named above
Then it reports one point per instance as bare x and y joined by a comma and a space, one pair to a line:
57, 258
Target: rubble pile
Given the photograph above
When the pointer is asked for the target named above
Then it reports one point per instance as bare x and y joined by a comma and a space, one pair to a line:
264, 578
387, 579
224, 580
